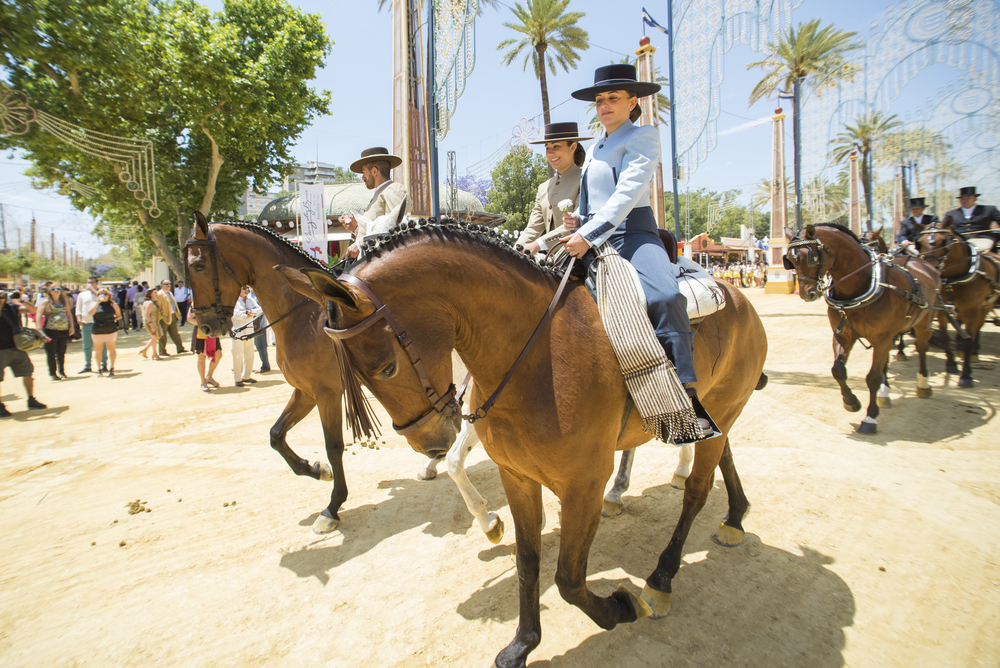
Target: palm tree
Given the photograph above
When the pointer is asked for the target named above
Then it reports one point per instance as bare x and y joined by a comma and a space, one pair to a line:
548, 36
804, 51
662, 101
868, 133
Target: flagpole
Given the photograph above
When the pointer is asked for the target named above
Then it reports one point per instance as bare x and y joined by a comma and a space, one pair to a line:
673, 118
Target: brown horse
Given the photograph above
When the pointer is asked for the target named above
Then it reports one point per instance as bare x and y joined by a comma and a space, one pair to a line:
564, 412
870, 298
970, 280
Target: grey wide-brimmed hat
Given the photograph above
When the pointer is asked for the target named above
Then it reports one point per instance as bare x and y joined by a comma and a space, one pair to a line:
616, 77
373, 154
968, 191
560, 132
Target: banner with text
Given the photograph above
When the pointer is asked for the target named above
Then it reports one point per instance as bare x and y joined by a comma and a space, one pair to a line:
313, 212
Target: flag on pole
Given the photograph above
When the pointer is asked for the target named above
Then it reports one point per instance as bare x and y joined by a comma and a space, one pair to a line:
313, 212
648, 20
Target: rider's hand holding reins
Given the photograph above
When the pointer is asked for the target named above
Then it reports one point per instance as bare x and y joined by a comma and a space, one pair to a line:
576, 245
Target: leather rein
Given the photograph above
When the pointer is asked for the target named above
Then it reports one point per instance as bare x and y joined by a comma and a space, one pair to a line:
448, 404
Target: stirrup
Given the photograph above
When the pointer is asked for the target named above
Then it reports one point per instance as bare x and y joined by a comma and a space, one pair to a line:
712, 432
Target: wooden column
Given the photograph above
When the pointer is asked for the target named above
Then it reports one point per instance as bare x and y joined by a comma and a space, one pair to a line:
779, 279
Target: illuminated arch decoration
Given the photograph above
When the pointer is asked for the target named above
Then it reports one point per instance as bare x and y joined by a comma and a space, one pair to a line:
132, 157
454, 56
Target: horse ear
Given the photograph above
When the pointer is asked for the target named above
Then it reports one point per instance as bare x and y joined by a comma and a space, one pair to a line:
947, 221
789, 233
337, 291
401, 210
810, 232
878, 232
300, 283
200, 230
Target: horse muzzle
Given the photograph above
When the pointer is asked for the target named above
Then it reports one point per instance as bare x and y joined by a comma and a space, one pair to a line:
214, 326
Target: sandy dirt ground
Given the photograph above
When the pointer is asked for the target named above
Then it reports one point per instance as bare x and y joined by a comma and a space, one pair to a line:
860, 550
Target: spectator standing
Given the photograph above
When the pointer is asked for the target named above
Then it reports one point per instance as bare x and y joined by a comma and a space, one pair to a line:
130, 305
182, 295
244, 312
105, 334
55, 321
121, 298
138, 304
260, 341
151, 316
169, 317
11, 309
207, 348
86, 304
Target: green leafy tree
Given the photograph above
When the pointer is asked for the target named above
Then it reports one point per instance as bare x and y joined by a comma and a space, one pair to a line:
866, 135
515, 183
805, 51
221, 96
549, 36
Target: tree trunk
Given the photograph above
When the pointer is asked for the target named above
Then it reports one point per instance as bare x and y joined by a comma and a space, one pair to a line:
160, 241
866, 180
183, 228
213, 174
540, 51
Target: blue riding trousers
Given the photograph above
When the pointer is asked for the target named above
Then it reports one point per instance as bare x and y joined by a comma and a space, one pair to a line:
638, 242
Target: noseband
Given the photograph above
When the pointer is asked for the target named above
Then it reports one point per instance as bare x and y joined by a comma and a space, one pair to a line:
814, 257
213, 252
447, 405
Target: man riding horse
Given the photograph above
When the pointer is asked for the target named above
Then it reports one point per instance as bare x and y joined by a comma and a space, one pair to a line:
979, 224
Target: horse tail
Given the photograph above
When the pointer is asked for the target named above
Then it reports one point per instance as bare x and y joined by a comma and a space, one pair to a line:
761, 382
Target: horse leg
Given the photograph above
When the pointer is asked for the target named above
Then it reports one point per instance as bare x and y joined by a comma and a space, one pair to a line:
684, 462
525, 499
884, 401
841, 352
880, 358
730, 532
331, 416
613, 505
581, 514
923, 335
299, 405
950, 366
489, 522
975, 345
429, 470
900, 355
707, 456
973, 324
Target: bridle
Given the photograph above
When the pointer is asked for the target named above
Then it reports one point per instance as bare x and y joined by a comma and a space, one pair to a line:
217, 306
449, 404
951, 239
814, 257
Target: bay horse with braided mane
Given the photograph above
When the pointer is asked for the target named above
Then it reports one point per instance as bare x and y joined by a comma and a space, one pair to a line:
223, 256
970, 280
563, 414
870, 298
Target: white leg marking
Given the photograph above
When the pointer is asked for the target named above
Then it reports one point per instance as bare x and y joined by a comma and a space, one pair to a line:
870, 420
922, 381
467, 439
685, 462
429, 470
883, 392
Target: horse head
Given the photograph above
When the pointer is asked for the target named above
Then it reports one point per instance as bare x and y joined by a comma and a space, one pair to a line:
805, 257
875, 241
938, 239
212, 285
405, 370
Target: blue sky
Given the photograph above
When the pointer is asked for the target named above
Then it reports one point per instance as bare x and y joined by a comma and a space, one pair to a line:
496, 99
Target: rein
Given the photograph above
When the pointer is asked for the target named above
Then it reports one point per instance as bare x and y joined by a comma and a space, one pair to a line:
447, 405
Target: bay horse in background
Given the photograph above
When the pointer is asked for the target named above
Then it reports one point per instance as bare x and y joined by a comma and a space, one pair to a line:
221, 256
562, 415
970, 280
870, 298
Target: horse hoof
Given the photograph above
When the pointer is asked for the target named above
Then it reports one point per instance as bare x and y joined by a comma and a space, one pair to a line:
884, 402
427, 474
965, 382
324, 525
868, 426
678, 482
727, 536
900, 357
852, 407
641, 608
658, 602
924, 392
495, 533
612, 508
325, 472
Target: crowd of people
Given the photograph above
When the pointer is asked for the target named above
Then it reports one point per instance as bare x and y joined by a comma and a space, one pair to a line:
96, 314
741, 274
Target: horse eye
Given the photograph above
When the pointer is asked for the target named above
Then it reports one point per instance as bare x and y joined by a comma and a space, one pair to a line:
198, 267
389, 371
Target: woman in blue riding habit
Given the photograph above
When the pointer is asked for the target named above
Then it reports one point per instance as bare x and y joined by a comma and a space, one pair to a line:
614, 206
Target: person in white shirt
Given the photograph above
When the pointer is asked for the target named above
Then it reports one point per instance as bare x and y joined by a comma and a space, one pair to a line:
182, 295
245, 311
86, 304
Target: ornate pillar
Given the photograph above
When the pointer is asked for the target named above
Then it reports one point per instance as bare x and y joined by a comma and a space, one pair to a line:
854, 212
899, 208
409, 120
779, 279
646, 71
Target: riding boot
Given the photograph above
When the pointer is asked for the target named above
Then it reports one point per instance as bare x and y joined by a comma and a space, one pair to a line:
705, 420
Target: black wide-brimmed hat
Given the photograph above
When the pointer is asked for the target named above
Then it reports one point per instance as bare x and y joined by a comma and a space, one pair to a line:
917, 203
968, 191
616, 77
373, 154
560, 132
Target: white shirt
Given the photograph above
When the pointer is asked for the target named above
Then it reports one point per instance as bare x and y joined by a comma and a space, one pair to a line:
182, 293
968, 212
86, 304
245, 311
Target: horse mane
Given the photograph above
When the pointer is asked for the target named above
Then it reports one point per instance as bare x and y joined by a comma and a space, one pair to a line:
838, 226
274, 236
